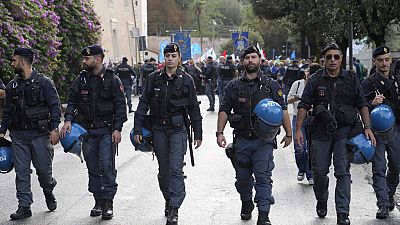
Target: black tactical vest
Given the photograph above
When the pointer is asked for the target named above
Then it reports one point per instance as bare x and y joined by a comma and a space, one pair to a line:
227, 71
170, 95
123, 72
247, 95
147, 70
337, 95
29, 109
95, 103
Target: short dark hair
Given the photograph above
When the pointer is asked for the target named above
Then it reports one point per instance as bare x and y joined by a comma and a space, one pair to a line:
28, 59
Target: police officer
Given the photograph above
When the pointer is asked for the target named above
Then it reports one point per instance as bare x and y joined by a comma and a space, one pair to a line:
227, 72
171, 96
290, 76
147, 69
32, 114
383, 87
335, 96
210, 76
195, 72
96, 101
125, 73
253, 154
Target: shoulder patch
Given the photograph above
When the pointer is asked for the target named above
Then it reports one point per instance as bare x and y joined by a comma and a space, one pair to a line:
280, 92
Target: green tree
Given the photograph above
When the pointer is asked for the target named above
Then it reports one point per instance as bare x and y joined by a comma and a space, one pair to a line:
376, 17
79, 27
29, 24
56, 30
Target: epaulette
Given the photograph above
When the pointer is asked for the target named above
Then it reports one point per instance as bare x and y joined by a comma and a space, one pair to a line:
83, 72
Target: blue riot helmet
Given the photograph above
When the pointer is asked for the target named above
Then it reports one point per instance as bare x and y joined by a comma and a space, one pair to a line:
6, 162
382, 118
269, 116
72, 142
362, 149
147, 140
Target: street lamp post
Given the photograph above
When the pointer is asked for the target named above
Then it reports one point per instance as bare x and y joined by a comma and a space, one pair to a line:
350, 38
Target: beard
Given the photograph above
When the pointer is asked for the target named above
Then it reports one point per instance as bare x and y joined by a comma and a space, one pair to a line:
87, 67
18, 70
252, 68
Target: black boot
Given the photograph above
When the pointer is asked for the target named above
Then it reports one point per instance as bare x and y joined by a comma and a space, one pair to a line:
22, 212
383, 212
391, 203
50, 201
263, 219
322, 208
172, 218
343, 219
211, 109
107, 212
97, 209
247, 208
166, 207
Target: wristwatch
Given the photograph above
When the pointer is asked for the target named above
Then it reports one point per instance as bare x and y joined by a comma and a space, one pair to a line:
219, 133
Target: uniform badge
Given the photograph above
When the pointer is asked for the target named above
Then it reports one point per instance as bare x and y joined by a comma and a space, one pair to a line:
385, 50
382, 82
121, 87
280, 92
88, 51
175, 48
321, 93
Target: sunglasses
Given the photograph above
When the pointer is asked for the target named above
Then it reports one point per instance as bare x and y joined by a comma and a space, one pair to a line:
329, 57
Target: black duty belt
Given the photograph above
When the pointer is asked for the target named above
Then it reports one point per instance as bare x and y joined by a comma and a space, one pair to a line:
246, 134
164, 122
96, 124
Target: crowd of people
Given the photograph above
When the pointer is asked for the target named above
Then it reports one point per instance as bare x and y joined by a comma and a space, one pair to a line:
332, 106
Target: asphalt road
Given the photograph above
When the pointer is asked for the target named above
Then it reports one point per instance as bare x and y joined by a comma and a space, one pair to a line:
211, 196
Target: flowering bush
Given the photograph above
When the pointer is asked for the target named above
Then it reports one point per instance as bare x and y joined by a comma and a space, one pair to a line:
56, 30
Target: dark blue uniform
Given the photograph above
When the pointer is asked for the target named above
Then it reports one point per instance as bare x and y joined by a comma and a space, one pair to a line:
290, 76
385, 184
341, 96
146, 70
169, 100
210, 74
31, 111
97, 103
125, 73
253, 155
227, 72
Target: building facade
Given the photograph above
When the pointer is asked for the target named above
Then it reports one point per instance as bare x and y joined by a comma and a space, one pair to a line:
123, 22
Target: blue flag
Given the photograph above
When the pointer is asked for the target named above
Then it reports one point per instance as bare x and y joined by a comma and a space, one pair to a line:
183, 40
240, 42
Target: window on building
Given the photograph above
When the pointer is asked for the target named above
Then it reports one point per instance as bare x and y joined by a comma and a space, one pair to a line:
126, 3
115, 44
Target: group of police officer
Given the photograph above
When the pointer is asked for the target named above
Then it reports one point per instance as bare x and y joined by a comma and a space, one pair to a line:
32, 114
253, 104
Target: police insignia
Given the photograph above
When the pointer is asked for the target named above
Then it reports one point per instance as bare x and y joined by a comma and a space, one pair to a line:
280, 92
175, 48
88, 51
385, 50
321, 93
